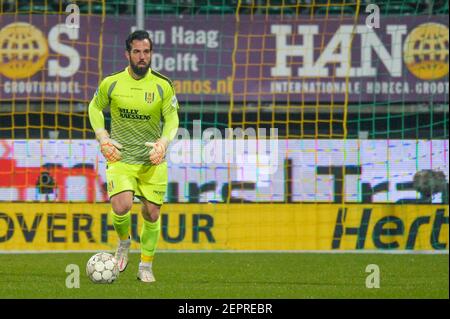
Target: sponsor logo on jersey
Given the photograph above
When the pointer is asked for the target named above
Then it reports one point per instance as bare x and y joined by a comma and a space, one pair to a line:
133, 114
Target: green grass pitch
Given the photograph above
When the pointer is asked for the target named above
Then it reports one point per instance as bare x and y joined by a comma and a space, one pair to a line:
233, 275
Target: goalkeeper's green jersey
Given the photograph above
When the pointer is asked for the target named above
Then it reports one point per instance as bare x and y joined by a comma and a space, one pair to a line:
141, 111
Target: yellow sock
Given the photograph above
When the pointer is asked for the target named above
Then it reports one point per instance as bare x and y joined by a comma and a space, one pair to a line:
146, 259
149, 239
121, 224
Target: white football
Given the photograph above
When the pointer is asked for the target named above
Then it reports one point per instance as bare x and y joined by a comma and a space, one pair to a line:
102, 268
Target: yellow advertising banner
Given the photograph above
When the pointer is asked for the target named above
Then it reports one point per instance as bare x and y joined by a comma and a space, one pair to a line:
63, 226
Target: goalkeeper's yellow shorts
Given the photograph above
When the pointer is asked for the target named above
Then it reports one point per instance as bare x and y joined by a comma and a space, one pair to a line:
147, 181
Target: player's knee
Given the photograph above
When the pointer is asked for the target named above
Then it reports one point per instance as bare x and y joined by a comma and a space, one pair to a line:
154, 216
121, 208
122, 203
150, 213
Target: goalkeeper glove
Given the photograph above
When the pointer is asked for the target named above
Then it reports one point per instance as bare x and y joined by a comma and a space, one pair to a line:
109, 147
158, 150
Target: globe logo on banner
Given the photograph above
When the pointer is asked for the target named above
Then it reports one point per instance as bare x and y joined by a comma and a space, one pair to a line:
426, 51
24, 50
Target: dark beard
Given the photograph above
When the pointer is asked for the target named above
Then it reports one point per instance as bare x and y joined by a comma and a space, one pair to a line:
139, 70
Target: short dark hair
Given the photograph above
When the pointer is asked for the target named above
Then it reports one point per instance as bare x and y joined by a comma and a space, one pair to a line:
138, 35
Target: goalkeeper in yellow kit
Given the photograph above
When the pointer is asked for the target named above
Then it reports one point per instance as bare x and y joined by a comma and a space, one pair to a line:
144, 119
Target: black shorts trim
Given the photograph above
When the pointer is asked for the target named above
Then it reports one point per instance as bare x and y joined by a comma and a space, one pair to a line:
142, 197
127, 190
